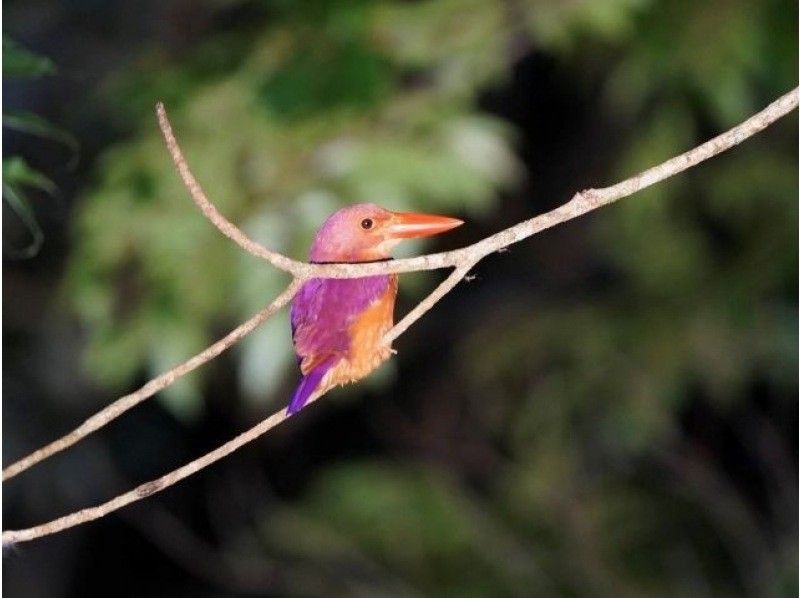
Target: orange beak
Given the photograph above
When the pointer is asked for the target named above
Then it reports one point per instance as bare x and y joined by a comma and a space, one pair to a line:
408, 225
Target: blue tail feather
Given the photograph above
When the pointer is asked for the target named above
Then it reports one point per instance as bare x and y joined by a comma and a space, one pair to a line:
307, 386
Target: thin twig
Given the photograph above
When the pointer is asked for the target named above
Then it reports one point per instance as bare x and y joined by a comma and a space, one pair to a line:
462, 259
120, 406
426, 304
200, 199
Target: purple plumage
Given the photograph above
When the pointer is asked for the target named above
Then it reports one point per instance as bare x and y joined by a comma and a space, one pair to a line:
307, 386
323, 312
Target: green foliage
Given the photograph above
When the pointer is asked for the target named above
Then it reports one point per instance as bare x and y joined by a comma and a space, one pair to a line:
33, 124
20, 62
416, 522
324, 77
18, 175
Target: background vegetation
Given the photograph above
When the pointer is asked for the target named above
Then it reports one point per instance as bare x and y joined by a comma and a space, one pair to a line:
608, 409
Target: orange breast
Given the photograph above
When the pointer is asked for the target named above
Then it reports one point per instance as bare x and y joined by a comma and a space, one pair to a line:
367, 351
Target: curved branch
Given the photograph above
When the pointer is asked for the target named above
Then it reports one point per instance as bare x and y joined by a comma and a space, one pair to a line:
210, 211
581, 203
120, 406
462, 260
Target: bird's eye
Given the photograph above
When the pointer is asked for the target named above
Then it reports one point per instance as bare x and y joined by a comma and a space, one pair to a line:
366, 224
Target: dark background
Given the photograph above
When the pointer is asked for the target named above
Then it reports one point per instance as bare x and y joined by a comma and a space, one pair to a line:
609, 408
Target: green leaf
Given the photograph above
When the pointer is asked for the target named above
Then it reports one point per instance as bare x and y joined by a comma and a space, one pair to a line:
17, 173
20, 62
33, 124
21, 206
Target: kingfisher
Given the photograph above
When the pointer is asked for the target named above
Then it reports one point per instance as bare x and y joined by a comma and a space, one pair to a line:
338, 324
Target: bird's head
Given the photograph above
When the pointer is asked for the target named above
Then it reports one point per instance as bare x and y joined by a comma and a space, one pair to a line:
367, 232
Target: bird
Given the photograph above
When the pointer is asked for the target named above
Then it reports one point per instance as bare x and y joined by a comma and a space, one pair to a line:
338, 325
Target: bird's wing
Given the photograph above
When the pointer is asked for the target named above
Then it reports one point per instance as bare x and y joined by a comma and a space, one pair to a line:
323, 312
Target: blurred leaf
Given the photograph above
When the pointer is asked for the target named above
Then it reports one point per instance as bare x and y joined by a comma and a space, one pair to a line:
17, 172
18, 202
416, 522
168, 347
20, 62
17, 175
33, 124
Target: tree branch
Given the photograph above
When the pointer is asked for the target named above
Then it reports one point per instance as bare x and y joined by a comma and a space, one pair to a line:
146, 489
120, 406
581, 203
462, 260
